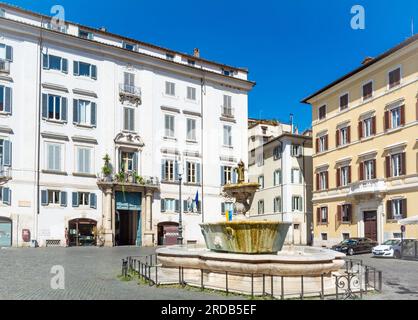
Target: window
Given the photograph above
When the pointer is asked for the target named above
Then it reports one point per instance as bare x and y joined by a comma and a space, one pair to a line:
170, 205
296, 150
322, 112
297, 203
324, 236
169, 126
129, 119
398, 208
54, 107
228, 175
129, 83
396, 165
84, 113
396, 117
5, 99
261, 182
85, 70
83, 198
277, 205
129, 46
277, 152
5, 153
191, 129
51, 62
261, 207
170, 88
322, 180
169, 170
296, 176
394, 78
191, 93
53, 162
191, 62
128, 161
169, 56
227, 106
6, 52
2, 12
368, 170
346, 236
84, 158
344, 99
260, 159
6, 196
322, 215
227, 207
322, 143
343, 136
368, 90
193, 172
345, 213
227, 72
53, 197
85, 34
367, 127
343, 176
227, 136
277, 177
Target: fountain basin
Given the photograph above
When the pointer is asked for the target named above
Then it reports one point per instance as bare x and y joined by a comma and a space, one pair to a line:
245, 237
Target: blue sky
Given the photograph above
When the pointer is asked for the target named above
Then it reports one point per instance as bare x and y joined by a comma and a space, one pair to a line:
291, 47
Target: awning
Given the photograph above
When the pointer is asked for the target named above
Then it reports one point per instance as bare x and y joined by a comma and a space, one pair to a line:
408, 221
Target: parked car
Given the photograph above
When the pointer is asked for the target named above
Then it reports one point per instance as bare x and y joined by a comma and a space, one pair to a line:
390, 248
355, 245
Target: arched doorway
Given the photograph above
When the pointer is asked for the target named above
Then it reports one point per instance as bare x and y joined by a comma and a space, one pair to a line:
82, 232
5, 232
168, 233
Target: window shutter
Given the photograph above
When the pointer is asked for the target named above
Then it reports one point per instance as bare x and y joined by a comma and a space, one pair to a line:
374, 125
163, 177
317, 182
389, 215
387, 120
93, 201
339, 214
361, 171
349, 134
44, 106
223, 176
198, 173
234, 176
185, 206
176, 170
64, 111
93, 72
177, 206
7, 196
292, 179
387, 163
64, 66
337, 138
318, 215
317, 145
300, 204
76, 68
403, 164
45, 61
9, 53
44, 197
131, 113
326, 180
7, 153
63, 199
402, 115
162, 205
125, 118
338, 177
8, 100
374, 168
75, 111
349, 174
223, 208
135, 162
404, 209
350, 213
275, 178
326, 142
416, 107
93, 114
75, 199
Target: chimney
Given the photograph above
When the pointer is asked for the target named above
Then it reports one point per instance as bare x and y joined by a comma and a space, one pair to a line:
367, 60
196, 52
103, 29
291, 123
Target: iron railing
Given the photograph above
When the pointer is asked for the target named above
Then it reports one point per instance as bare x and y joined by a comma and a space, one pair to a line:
353, 282
228, 112
5, 173
128, 89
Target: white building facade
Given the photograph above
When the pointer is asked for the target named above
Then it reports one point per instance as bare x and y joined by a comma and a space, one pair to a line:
70, 95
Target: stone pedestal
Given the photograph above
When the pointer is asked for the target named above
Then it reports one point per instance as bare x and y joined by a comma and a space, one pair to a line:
107, 217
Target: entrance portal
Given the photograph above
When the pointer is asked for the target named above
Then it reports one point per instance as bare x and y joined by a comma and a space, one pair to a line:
82, 232
128, 231
370, 225
5, 233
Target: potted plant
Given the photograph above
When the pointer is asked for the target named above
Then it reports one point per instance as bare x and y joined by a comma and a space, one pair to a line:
107, 168
138, 179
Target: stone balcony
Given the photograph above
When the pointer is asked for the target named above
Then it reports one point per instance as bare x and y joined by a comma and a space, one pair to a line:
375, 186
4, 66
129, 93
129, 180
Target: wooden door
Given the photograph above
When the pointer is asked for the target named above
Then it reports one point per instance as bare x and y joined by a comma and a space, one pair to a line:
370, 225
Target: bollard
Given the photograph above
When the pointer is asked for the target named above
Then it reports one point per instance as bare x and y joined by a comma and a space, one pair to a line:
252, 285
226, 283
282, 288
302, 289
201, 280
272, 286
322, 287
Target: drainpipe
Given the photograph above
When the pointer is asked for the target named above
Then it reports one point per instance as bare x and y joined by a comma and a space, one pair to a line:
38, 164
304, 192
202, 84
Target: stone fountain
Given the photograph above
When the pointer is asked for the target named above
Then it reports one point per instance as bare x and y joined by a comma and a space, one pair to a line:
244, 247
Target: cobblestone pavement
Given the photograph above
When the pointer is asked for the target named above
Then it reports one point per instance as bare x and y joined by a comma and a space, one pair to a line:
400, 277
90, 274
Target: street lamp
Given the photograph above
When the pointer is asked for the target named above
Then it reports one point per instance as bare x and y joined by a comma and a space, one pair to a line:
180, 232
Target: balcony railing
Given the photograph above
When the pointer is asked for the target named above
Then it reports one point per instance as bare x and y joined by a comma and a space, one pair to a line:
4, 66
129, 178
366, 187
130, 93
228, 112
5, 173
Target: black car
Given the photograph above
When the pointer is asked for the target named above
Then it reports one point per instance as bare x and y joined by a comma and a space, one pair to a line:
355, 245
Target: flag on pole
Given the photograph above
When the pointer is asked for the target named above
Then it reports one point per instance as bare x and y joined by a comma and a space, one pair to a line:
196, 200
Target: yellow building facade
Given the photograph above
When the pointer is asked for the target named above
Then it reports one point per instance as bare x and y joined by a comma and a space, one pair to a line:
365, 133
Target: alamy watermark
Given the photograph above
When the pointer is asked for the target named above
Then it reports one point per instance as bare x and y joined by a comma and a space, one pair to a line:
58, 278
358, 21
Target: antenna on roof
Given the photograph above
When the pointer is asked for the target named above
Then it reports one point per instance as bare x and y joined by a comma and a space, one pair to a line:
412, 26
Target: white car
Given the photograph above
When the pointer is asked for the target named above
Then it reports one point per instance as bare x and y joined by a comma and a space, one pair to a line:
390, 248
